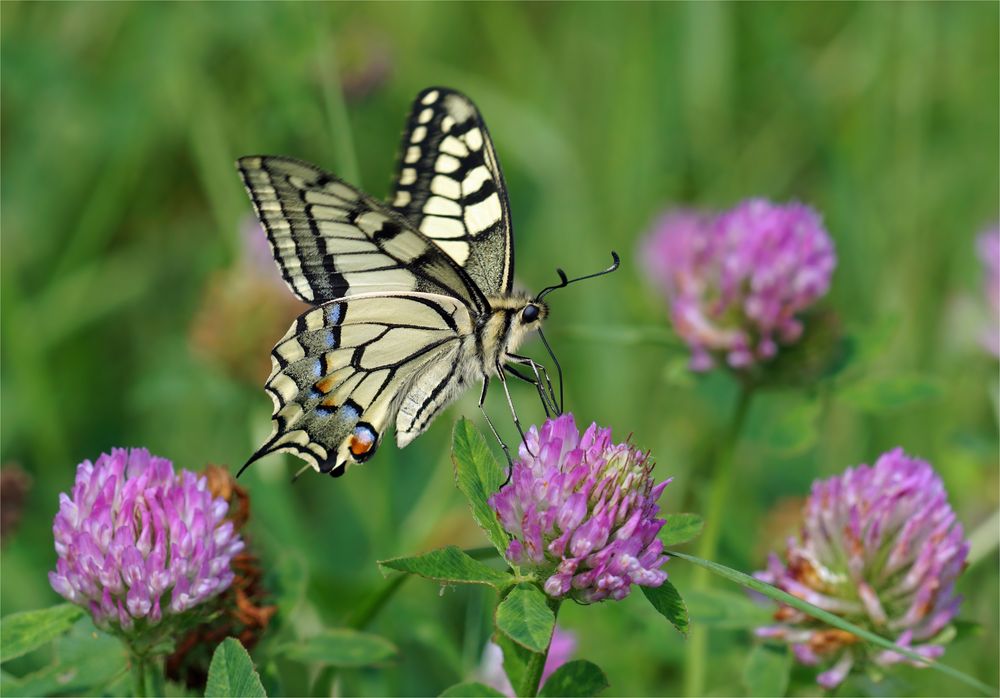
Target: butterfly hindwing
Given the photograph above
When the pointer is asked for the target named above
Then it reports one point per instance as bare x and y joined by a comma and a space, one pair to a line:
342, 370
331, 240
450, 187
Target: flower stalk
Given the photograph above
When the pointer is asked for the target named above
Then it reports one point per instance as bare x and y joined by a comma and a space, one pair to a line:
720, 474
147, 674
138, 677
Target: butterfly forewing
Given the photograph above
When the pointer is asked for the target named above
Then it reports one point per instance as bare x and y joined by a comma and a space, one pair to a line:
340, 372
450, 187
331, 240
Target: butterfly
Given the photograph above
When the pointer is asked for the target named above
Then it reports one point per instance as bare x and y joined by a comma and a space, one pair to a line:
414, 299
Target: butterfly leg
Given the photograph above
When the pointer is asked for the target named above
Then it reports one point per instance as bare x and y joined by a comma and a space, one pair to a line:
510, 404
536, 381
506, 450
540, 373
549, 398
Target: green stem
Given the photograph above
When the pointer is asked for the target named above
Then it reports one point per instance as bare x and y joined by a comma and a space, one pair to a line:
155, 683
536, 665
147, 674
139, 676
721, 477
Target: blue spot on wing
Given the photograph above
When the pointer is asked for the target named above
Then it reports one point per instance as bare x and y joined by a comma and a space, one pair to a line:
350, 411
318, 368
333, 314
331, 341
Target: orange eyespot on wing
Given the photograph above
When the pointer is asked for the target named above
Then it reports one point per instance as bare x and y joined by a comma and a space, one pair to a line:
362, 442
360, 447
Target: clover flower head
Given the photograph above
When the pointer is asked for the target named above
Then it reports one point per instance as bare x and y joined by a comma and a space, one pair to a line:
138, 544
737, 281
881, 547
581, 512
988, 246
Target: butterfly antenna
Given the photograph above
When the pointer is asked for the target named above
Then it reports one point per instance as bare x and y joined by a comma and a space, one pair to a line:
565, 281
558, 369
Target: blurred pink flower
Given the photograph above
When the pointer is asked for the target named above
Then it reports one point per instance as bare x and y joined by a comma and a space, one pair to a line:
737, 281
988, 246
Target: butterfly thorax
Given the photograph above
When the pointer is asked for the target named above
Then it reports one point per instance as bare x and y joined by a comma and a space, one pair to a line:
504, 328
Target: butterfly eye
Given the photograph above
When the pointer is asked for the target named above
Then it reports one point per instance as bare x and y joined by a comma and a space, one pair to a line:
529, 314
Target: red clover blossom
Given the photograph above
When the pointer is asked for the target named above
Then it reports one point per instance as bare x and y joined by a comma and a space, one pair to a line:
736, 282
582, 513
138, 544
881, 547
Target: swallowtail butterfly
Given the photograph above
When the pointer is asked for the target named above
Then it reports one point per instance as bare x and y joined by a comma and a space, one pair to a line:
414, 300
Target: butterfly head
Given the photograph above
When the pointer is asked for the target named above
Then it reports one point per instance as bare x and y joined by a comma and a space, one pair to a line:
531, 314
514, 317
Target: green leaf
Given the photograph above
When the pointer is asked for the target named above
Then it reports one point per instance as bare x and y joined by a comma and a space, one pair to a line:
667, 600
21, 633
525, 617
829, 618
796, 430
340, 647
716, 608
478, 476
766, 671
680, 528
451, 566
232, 673
86, 661
472, 689
576, 679
891, 393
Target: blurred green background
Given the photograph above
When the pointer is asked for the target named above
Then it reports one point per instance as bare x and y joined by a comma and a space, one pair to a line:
132, 313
